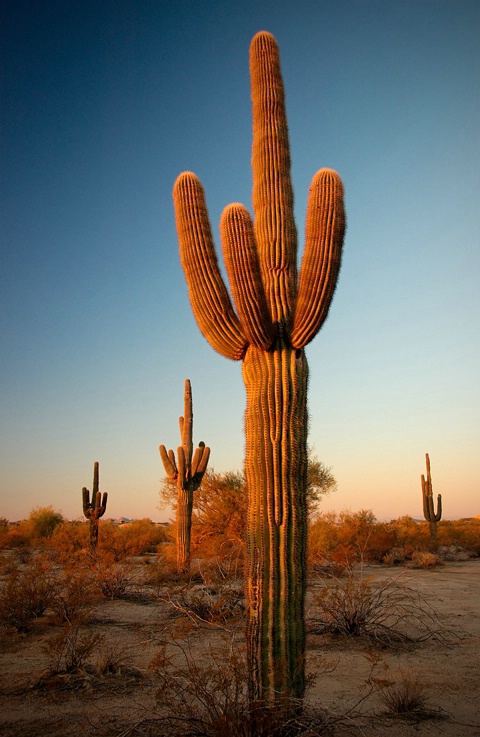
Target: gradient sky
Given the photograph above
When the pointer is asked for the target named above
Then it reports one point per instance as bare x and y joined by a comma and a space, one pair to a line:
103, 104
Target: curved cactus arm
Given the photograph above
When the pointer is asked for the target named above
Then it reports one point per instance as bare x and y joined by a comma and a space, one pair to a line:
209, 298
104, 501
169, 464
197, 457
86, 501
275, 230
243, 269
199, 473
324, 232
438, 516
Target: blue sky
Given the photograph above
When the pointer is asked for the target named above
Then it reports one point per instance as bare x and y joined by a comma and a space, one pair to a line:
103, 104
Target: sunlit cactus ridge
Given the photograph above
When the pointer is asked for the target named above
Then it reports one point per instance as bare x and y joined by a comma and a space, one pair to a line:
429, 513
275, 313
95, 508
187, 470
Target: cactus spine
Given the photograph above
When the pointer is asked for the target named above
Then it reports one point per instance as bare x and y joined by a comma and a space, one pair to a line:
277, 313
94, 509
187, 472
428, 504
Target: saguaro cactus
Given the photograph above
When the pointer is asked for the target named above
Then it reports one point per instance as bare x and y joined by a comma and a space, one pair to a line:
428, 504
277, 314
188, 473
94, 509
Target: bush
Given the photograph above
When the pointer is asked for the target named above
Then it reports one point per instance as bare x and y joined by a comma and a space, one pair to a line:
26, 595
386, 612
42, 522
423, 559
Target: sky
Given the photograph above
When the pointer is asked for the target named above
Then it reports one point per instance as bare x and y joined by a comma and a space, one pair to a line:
103, 103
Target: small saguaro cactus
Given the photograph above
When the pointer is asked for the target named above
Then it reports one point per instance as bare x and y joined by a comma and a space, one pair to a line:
428, 504
95, 508
277, 312
187, 472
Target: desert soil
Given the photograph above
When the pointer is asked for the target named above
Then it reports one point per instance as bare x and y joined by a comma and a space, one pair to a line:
33, 705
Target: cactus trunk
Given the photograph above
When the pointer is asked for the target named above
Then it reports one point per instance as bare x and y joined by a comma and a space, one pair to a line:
184, 526
276, 473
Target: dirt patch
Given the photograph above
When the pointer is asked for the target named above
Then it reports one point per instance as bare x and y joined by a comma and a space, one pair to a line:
346, 670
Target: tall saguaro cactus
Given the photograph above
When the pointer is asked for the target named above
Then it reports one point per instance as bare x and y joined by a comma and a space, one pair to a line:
277, 312
428, 504
95, 508
187, 472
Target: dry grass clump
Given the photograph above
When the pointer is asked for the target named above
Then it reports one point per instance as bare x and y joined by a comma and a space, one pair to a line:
408, 699
387, 612
424, 559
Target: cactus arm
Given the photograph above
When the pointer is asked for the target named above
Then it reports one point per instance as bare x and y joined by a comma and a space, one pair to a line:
272, 196
438, 516
197, 458
208, 295
243, 269
86, 501
104, 501
199, 472
181, 465
324, 232
168, 460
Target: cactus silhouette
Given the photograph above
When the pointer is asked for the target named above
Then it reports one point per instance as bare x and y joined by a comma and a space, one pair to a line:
94, 509
187, 472
428, 505
277, 312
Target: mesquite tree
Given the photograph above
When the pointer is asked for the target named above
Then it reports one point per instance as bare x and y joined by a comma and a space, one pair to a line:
187, 472
277, 313
428, 504
94, 509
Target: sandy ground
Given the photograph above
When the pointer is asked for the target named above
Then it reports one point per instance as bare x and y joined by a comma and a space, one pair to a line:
344, 669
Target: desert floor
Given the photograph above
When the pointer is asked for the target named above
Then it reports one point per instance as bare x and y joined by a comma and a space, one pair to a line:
347, 671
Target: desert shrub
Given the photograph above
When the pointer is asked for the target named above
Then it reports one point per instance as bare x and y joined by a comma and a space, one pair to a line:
69, 540
395, 556
207, 696
205, 604
75, 596
407, 699
140, 536
424, 559
26, 595
386, 612
69, 650
42, 522
112, 579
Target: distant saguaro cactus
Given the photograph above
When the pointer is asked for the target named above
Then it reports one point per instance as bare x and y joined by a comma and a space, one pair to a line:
277, 314
428, 504
187, 473
94, 509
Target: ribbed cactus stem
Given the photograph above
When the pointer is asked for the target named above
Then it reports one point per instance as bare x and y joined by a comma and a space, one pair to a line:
95, 508
187, 470
276, 314
429, 513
